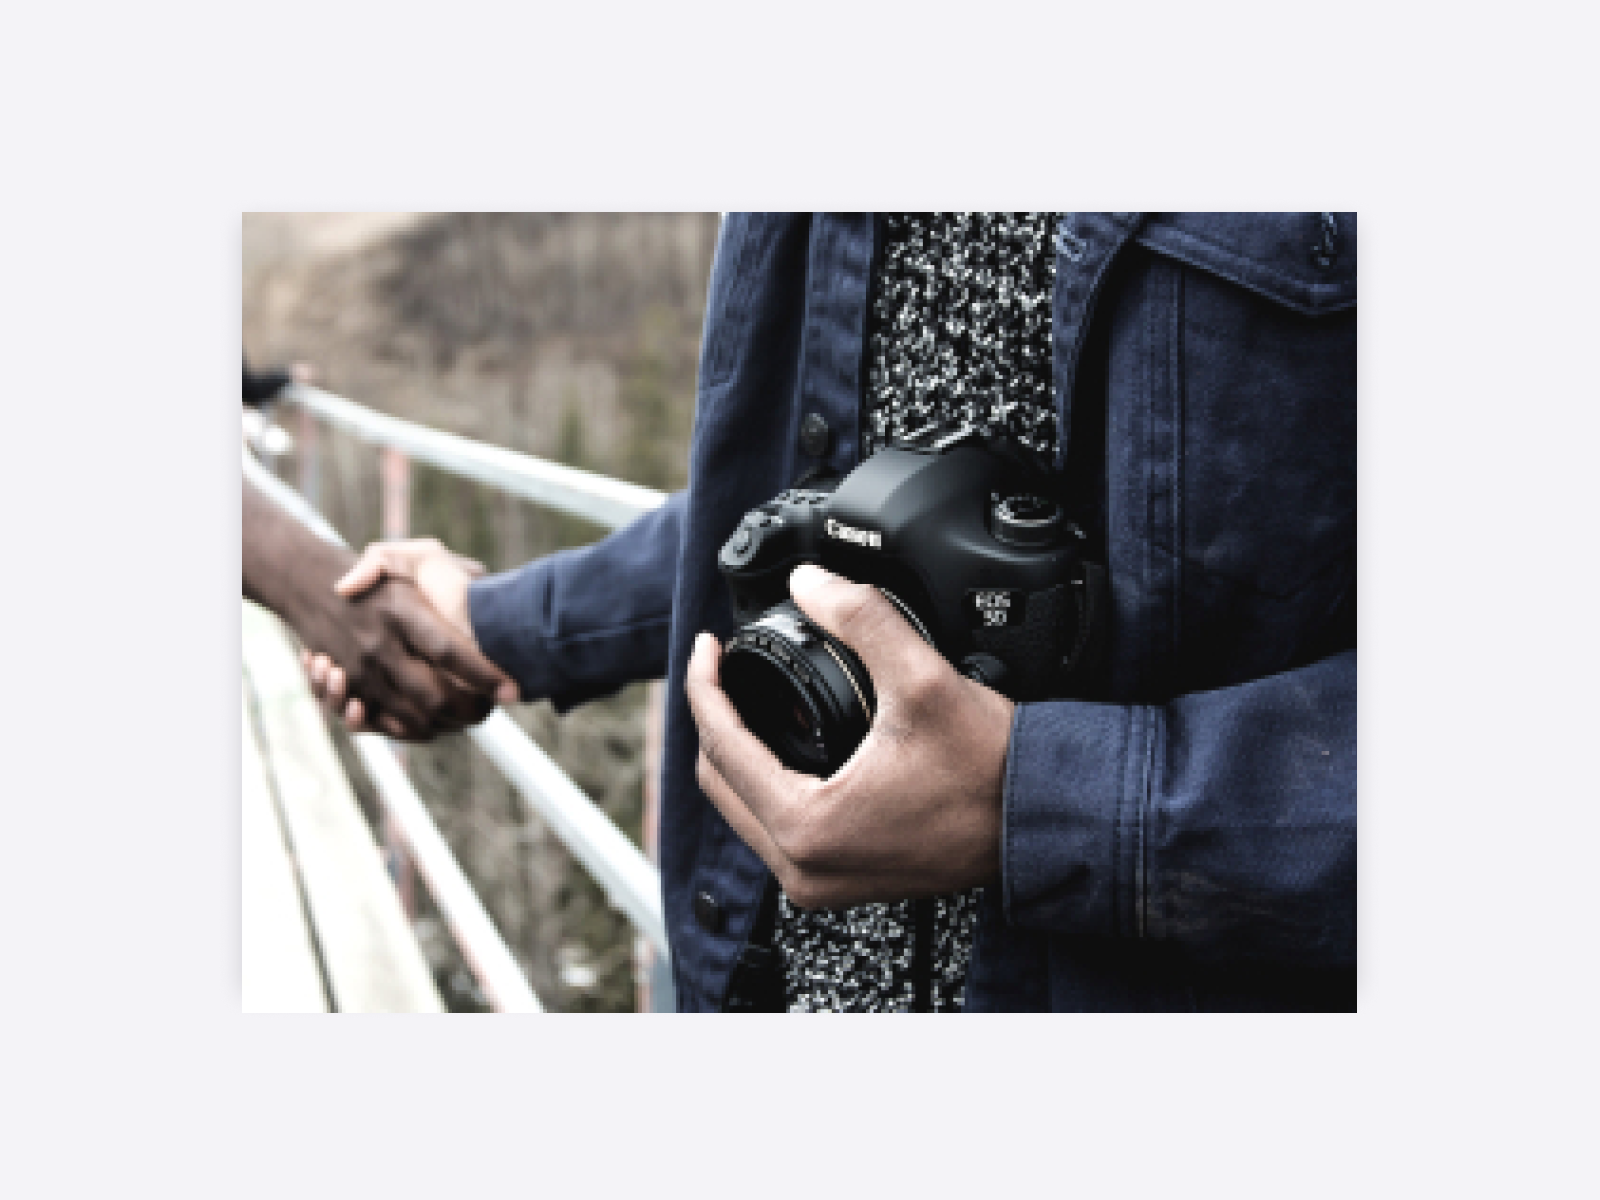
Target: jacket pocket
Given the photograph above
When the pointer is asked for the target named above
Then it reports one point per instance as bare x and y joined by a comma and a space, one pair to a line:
1303, 261
1258, 338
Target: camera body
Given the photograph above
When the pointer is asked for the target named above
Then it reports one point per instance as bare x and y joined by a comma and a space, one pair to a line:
956, 532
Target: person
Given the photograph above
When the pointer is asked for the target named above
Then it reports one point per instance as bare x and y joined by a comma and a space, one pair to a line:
263, 388
1181, 839
409, 671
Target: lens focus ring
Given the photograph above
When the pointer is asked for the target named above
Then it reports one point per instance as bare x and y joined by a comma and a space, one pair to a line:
804, 694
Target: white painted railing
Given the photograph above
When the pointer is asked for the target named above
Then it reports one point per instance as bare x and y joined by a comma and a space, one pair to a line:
631, 883
599, 498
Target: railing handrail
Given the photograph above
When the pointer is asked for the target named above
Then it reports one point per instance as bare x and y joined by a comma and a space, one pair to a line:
599, 498
480, 942
491, 960
630, 881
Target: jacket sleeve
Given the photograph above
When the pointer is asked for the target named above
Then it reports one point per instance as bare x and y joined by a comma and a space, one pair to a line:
1223, 822
260, 387
583, 622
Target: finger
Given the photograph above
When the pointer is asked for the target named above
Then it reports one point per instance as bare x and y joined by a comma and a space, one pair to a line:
364, 574
430, 638
337, 686
355, 717
424, 698
769, 789
405, 556
472, 566
450, 705
392, 725
379, 683
320, 666
743, 822
319, 689
400, 558
864, 619
464, 706
411, 701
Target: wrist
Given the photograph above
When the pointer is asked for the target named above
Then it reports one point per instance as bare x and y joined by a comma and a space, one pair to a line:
447, 586
300, 588
285, 566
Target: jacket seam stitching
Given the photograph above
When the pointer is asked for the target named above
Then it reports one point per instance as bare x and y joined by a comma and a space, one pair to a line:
1136, 823
1146, 819
1007, 878
1248, 267
1179, 417
1116, 834
1130, 834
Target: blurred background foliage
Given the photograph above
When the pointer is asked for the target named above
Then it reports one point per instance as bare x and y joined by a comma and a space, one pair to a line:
572, 336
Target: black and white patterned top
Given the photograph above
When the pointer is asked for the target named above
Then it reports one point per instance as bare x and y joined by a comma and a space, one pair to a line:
961, 323
961, 326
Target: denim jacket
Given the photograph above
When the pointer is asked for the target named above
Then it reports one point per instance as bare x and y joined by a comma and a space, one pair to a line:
1186, 841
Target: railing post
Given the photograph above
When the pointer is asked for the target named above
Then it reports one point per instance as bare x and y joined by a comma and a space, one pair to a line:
652, 973
630, 880
395, 480
310, 458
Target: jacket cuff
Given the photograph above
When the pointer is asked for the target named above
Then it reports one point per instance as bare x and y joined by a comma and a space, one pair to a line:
1073, 833
507, 613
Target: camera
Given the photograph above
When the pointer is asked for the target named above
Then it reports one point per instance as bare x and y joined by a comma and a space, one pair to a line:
959, 532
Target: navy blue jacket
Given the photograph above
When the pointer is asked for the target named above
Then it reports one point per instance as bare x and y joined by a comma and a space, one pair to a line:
1189, 840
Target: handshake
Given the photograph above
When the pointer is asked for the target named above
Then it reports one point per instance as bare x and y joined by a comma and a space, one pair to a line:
406, 662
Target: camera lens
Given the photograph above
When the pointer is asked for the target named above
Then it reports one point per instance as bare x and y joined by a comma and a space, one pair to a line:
802, 692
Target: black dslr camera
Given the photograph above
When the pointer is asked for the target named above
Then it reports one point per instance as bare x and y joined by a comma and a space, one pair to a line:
957, 531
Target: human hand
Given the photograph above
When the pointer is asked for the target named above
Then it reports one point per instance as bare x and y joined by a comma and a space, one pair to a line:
404, 669
916, 810
440, 575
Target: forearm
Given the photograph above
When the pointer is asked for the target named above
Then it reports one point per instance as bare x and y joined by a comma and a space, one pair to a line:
584, 622
286, 567
1224, 822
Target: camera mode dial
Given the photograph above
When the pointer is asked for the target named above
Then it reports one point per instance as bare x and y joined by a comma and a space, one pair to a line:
1028, 521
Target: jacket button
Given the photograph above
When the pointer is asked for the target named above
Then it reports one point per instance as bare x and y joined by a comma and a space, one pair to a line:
814, 435
708, 913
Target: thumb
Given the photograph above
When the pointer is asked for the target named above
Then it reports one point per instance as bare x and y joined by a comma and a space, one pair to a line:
401, 559
864, 619
365, 573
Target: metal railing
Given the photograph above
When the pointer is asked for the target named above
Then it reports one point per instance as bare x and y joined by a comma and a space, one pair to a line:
598, 498
630, 882
491, 961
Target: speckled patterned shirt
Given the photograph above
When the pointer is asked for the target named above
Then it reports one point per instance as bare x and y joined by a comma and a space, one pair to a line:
960, 328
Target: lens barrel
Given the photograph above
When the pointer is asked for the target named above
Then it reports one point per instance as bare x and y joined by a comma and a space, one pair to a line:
802, 692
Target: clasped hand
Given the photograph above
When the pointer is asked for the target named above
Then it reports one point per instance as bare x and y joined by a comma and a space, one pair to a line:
916, 810
410, 665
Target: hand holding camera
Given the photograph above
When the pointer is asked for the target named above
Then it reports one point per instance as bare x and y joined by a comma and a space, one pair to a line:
956, 532
916, 809
855, 736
